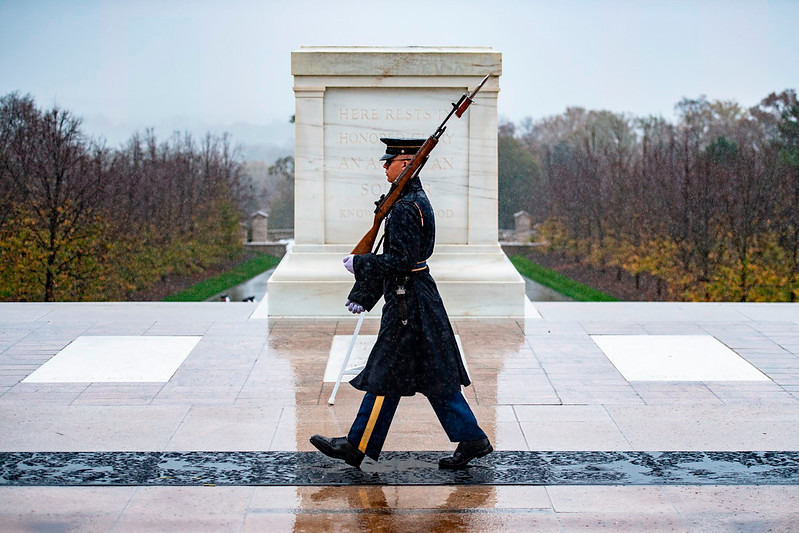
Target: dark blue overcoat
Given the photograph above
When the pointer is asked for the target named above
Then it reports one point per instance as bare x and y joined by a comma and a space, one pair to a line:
422, 355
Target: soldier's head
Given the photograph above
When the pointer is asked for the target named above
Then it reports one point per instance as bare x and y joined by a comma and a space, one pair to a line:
399, 153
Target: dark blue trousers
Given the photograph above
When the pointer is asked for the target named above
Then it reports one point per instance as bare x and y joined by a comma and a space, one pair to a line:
368, 432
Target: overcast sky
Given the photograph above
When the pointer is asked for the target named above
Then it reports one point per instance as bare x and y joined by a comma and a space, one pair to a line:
197, 64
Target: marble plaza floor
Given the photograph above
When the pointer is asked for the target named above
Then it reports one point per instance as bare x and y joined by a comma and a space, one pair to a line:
588, 405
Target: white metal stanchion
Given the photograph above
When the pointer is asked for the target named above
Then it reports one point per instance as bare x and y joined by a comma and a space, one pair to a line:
332, 399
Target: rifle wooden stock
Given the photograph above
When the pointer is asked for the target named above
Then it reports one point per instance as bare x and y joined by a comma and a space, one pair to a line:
364, 246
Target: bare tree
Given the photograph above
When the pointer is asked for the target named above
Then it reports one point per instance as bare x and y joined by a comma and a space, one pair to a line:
51, 169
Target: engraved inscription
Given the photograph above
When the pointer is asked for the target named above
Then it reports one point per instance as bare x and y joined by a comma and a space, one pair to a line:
350, 212
353, 163
351, 137
355, 213
370, 163
355, 119
376, 189
358, 114
413, 114
358, 138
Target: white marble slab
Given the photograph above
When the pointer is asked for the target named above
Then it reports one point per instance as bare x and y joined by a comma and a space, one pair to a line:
676, 358
262, 311
385, 63
530, 312
116, 359
360, 353
638, 312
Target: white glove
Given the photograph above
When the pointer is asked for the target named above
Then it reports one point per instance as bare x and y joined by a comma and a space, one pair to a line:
354, 308
348, 264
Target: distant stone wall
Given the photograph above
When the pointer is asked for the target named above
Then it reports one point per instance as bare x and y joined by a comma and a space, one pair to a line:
277, 249
516, 248
278, 234
506, 235
522, 232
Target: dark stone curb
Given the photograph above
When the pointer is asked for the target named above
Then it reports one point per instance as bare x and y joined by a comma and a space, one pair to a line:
398, 468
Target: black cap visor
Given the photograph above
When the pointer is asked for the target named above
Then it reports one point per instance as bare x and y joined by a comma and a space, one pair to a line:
395, 147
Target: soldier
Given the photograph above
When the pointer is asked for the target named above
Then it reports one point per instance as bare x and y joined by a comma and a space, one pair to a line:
415, 349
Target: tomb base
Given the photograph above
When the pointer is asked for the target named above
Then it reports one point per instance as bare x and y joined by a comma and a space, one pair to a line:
474, 280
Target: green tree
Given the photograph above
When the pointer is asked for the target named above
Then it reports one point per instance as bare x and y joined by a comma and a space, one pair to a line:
281, 208
518, 178
788, 144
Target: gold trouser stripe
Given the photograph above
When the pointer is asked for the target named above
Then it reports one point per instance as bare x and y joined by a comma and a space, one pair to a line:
370, 425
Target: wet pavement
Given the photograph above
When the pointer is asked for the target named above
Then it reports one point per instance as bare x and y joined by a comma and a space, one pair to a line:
254, 287
539, 293
580, 447
397, 468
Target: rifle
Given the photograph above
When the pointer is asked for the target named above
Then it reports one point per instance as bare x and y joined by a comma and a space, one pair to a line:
387, 201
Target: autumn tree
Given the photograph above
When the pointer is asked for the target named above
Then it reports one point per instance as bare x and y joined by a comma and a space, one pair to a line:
707, 203
281, 208
56, 177
786, 141
81, 221
518, 175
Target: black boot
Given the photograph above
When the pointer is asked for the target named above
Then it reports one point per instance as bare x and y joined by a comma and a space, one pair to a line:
338, 448
465, 452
